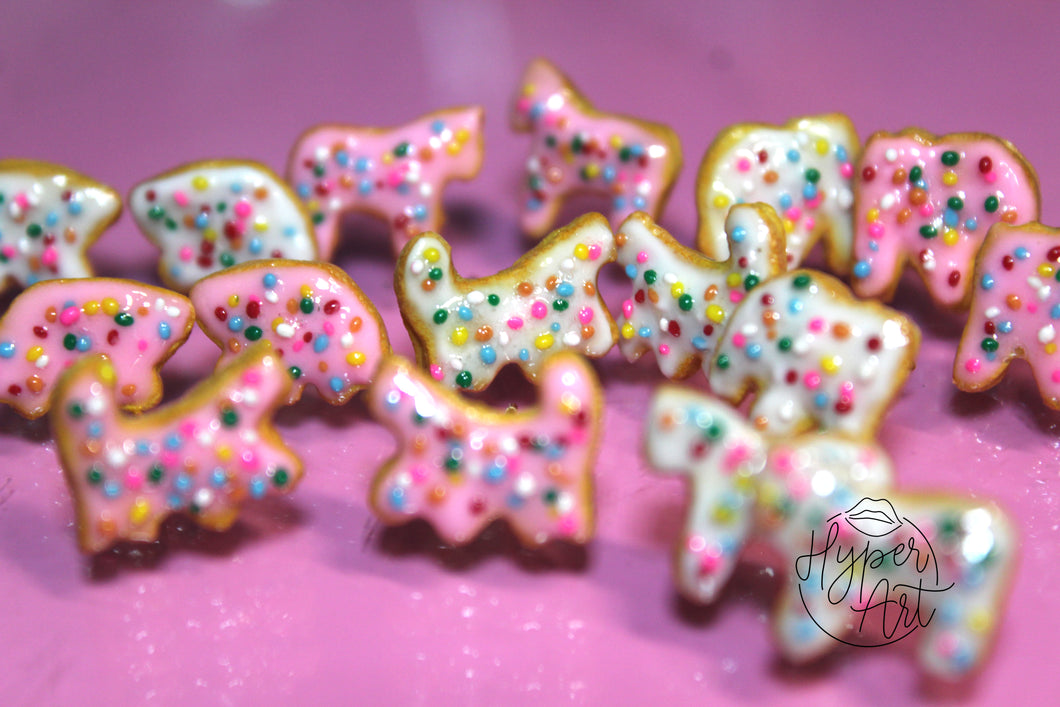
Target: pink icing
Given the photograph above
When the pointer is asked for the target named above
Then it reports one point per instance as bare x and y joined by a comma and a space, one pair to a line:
397, 173
896, 219
1015, 310
334, 347
461, 465
56, 322
577, 149
202, 455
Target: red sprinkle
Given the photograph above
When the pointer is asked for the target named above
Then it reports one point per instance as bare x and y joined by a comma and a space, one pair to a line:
331, 306
14, 389
112, 337
40, 332
221, 314
868, 174
873, 344
674, 328
253, 309
985, 165
1007, 262
955, 278
791, 377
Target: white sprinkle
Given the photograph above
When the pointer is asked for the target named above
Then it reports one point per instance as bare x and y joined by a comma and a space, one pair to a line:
533, 165
503, 338
525, 484
567, 264
564, 503
1043, 292
664, 322
203, 497
787, 410
749, 329
284, 330
887, 201
403, 479
1034, 281
205, 439
1046, 334
669, 278
173, 312
271, 297
115, 457
426, 189
891, 154
160, 304
802, 345
346, 340
475, 297
869, 367
94, 406
416, 267
42, 361
250, 398
572, 338
992, 312
456, 362
845, 198
321, 153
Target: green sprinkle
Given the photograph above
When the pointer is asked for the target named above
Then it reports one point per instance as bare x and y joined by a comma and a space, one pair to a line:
69, 342
295, 372
318, 170
784, 344
494, 300
306, 305
928, 231
801, 281
229, 417
915, 174
950, 158
440, 315
221, 206
551, 496
685, 302
550, 140
435, 274
123, 319
318, 218
955, 202
576, 144
989, 345
33, 230
715, 431
722, 362
171, 224
650, 276
402, 149
95, 476
156, 212
156, 474
280, 478
452, 464
227, 260
75, 410
625, 154
560, 305
253, 333
750, 282
463, 379
991, 204
812, 175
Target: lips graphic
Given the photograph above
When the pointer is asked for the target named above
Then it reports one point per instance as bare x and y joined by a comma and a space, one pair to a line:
874, 517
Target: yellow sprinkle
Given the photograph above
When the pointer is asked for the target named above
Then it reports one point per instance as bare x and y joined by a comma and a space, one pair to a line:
233, 300
209, 234
715, 313
822, 146
453, 148
1050, 348
431, 255
313, 205
108, 374
355, 358
570, 403
873, 215
462, 135
950, 236
224, 452
592, 170
733, 279
721, 201
544, 341
616, 141
528, 89
305, 291
831, 364
91, 307
261, 224
140, 510
200, 182
276, 322
388, 157
459, 336
581, 251
949, 178
110, 306
677, 289
627, 331
1046, 269
722, 514
789, 225
980, 620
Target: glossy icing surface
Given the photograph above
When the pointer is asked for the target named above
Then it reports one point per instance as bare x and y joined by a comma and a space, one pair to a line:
577, 149
804, 170
396, 173
461, 465
681, 302
465, 330
56, 322
314, 317
930, 201
208, 216
49, 216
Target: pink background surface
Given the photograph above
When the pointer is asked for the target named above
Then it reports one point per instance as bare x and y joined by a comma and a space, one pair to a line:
309, 596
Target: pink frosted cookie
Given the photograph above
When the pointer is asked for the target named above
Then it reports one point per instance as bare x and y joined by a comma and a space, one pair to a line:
816, 356
803, 169
395, 173
49, 216
203, 455
940, 562
1015, 310
465, 330
576, 148
317, 321
681, 302
931, 200
56, 322
461, 465
207, 216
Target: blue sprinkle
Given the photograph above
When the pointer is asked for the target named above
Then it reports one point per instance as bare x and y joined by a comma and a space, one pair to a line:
753, 351
32, 279
218, 478
164, 331
7, 349
636, 149
320, 343
397, 498
699, 343
336, 384
805, 630
488, 355
537, 110
235, 324
820, 400
554, 326
644, 332
95, 429
175, 271
862, 268
874, 246
619, 202
784, 200
362, 164
1022, 253
495, 473
111, 489
303, 190
75, 208
1004, 327
465, 313
631, 271
971, 224
987, 281
949, 613
402, 188
951, 218
255, 246
51, 219
173, 501
257, 487
608, 174
1055, 311
524, 355
990, 355
364, 187
795, 306
809, 191
565, 289
419, 212
738, 234
437, 126
269, 280
533, 204
143, 448
173, 441
342, 158
639, 202
290, 231
841, 153
83, 344
202, 220
963, 658
182, 482
793, 155
236, 188
921, 184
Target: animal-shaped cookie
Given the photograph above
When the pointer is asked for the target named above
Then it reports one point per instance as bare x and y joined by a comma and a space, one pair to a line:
816, 356
203, 455
576, 148
397, 173
860, 562
316, 319
49, 216
930, 200
56, 322
803, 169
207, 216
681, 301
1015, 310
465, 330
461, 465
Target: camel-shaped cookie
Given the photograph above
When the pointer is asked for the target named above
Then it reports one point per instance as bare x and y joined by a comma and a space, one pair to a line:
576, 148
49, 216
55, 322
1015, 310
208, 216
203, 455
465, 330
316, 319
396, 173
850, 545
681, 301
803, 169
816, 356
461, 465
930, 201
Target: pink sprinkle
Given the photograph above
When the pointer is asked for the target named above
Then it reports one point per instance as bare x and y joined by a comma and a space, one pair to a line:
8, 251
577, 435
621, 176
709, 562
297, 345
249, 459
585, 314
252, 377
664, 349
846, 170
738, 340
22, 200
436, 372
927, 209
594, 252
329, 328
187, 428
812, 379
186, 253
735, 296
1055, 375
394, 178
847, 387
523, 104
809, 223
419, 473
551, 119
514, 464
743, 164
798, 487
242, 209
696, 543
69, 316
736, 456
816, 325
134, 479
794, 213
169, 458
814, 202
1032, 307
539, 310
875, 229
515, 323
567, 525
781, 461
141, 345
642, 257
990, 177
180, 197
50, 256
627, 309
946, 645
